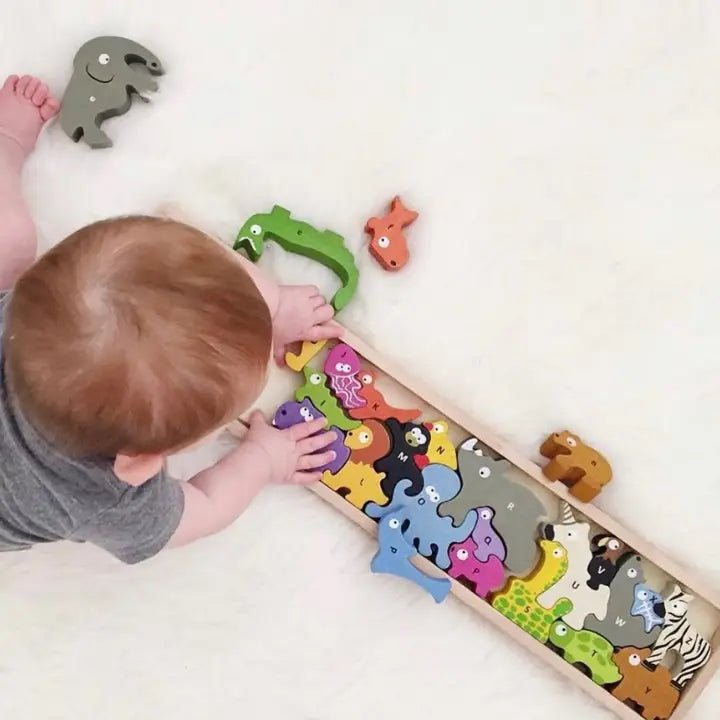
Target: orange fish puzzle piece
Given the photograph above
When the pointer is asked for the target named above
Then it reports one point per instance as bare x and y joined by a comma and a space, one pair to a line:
387, 241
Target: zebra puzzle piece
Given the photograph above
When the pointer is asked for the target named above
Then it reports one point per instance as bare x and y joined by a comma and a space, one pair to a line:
578, 466
376, 405
518, 511
106, 72
326, 247
651, 690
619, 627
518, 602
680, 635
394, 553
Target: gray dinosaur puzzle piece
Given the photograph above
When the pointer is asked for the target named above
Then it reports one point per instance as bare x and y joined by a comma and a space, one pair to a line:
620, 628
106, 72
518, 511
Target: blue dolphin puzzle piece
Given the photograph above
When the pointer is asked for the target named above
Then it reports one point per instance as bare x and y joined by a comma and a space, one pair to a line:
394, 553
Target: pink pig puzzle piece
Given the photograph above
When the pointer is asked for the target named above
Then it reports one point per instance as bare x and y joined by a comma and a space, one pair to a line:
486, 576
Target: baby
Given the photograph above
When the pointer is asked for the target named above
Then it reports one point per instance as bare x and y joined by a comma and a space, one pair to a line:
130, 340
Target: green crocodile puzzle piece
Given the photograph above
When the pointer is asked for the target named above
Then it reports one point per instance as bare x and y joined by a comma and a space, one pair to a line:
316, 390
326, 247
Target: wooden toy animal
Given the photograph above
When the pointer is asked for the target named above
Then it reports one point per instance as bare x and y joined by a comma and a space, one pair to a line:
649, 605
574, 537
292, 413
587, 649
651, 690
387, 242
106, 73
316, 389
481, 577
431, 534
357, 479
619, 627
584, 470
518, 601
309, 349
680, 635
394, 553
341, 366
607, 552
326, 247
517, 509
408, 442
375, 404
441, 449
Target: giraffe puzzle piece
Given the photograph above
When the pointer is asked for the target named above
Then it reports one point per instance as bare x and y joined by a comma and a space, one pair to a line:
620, 628
387, 242
106, 72
649, 605
607, 551
341, 366
315, 389
394, 553
441, 449
427, 531
326, 247
482, 577
309, 349
584, 470
409, 441
293, 413
680, 635
574, 537
518, 602
376, 406
358, 480
652, 690
586, 648
518, 511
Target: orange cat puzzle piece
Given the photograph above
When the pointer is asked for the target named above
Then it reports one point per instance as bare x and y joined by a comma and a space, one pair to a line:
387, 241
584, 470
376, 406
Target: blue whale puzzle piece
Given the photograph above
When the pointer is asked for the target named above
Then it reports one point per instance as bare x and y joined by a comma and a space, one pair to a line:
394, 553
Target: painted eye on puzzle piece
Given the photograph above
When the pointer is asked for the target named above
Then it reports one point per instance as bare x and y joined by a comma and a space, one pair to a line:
315, 379
643, 594
366, 379
255, 229
614, 544
632, 573
557, 553
486, 514
634, 660
103, 58
384, 241
561, 631
462, 554
572, 442
394, 523
484, 472
364, 438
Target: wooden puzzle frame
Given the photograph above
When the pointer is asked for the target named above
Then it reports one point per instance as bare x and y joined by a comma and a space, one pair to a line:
683, 575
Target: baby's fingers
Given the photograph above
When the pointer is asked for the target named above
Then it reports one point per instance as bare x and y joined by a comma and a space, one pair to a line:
311, 462
305, 478
326, 331
305, 429
323, 313
315, 443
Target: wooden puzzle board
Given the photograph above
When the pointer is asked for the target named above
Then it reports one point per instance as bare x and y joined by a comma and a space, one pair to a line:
403, 391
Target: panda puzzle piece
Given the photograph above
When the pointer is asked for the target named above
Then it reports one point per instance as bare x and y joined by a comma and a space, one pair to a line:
106, 72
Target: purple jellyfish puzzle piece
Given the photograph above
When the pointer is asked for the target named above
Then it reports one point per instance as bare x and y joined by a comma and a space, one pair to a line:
293, 413
341, 366
487, 540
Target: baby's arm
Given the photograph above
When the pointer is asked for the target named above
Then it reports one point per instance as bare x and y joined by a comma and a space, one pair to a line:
218, 495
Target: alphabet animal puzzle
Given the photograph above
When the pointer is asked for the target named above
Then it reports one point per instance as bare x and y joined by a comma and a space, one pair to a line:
575, 585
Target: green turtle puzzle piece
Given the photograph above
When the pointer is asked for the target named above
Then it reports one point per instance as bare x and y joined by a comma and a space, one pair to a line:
316, 390
324, 246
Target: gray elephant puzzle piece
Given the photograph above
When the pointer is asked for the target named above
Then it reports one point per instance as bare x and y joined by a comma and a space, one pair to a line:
620, 628
106, 72
518, 511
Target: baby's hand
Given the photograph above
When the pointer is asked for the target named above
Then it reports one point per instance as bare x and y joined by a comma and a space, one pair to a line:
292, 454
302, 314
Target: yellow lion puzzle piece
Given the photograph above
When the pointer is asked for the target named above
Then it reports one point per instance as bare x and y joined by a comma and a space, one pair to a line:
361, 479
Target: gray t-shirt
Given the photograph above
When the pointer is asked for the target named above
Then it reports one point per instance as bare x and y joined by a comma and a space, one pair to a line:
46, 496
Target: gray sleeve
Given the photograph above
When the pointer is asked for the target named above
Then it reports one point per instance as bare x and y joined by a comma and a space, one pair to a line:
140, 523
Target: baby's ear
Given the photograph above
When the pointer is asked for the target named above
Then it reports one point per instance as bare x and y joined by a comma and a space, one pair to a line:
137, 469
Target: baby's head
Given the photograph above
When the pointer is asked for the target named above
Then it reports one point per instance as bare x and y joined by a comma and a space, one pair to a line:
135, 337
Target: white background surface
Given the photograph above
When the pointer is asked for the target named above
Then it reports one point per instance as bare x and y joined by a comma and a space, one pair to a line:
565, 160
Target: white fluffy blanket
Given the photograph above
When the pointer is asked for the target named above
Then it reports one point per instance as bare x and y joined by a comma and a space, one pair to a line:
565, 158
